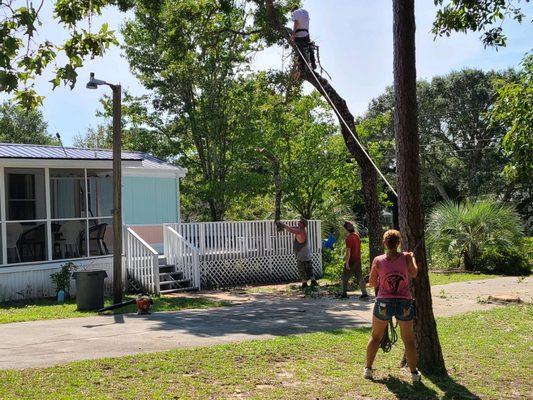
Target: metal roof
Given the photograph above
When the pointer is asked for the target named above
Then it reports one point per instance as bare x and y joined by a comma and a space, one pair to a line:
42, 152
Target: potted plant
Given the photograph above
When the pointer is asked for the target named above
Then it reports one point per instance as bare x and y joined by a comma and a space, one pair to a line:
61, 280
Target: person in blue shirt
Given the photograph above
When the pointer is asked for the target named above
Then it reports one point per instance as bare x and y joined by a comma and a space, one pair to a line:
329, 243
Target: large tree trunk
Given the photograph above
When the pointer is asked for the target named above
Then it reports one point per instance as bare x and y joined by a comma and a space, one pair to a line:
408, 181
369, 175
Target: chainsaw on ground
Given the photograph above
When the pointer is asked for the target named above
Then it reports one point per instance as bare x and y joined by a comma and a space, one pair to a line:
143, 301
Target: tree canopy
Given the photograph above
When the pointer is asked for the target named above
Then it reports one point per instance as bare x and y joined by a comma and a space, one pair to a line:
18, 125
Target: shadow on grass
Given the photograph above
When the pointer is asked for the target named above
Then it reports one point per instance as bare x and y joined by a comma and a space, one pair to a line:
419, 391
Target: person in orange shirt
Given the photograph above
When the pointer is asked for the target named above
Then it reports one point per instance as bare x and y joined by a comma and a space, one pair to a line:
352, 261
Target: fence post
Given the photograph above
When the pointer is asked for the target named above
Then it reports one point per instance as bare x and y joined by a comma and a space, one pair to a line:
202, 238
155, 261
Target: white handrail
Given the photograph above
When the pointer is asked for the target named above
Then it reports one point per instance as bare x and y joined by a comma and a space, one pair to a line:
183, 254
142, 262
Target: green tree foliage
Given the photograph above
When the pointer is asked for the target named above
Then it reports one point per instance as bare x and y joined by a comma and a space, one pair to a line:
460, 149
514, 110
18, 125
464, 232
24, 55
479, 16
192, 55
95, 138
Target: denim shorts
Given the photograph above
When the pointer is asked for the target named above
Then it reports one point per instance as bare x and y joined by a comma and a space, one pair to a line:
401, 309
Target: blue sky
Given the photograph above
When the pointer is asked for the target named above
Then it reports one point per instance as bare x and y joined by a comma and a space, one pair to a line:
355, 39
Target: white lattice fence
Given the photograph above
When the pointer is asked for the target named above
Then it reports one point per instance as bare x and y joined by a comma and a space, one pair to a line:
273, 269
237, 253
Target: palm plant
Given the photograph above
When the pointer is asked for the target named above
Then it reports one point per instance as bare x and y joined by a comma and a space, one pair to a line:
465, 230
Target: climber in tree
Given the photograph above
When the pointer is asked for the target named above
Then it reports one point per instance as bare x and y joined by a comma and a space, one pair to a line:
300, 36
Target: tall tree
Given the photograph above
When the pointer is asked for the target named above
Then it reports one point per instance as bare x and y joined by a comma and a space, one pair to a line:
18, 125
513, 110
408, 181
461, 150
192, 56
369, 176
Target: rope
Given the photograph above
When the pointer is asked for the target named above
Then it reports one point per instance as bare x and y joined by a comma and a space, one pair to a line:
344, 121
387, 342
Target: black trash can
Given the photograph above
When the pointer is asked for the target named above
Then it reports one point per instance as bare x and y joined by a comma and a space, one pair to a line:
89, 289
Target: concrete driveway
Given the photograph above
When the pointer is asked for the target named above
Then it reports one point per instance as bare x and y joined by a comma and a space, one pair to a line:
45, 343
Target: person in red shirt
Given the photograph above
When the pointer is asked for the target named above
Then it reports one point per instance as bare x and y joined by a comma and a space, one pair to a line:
352, 261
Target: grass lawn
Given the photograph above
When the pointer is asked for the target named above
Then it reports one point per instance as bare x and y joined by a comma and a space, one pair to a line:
49, 309
488, 355
443, 278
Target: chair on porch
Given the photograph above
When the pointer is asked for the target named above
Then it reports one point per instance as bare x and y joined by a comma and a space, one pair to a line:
70, 231
97, 235
14, 233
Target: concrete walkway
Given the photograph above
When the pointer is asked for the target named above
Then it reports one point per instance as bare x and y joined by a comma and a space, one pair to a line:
45, 343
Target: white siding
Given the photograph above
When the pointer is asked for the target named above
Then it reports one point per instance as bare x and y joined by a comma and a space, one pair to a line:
33, 281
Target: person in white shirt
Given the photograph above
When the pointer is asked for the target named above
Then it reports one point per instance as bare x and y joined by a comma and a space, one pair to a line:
300, 35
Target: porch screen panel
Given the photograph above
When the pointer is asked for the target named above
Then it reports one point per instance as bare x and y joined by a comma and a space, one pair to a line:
25, 199
67, 193
100, 193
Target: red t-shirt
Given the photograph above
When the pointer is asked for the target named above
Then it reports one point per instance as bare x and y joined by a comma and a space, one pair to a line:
353, 242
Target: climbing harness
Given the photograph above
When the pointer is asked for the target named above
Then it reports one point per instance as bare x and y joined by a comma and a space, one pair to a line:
343, 120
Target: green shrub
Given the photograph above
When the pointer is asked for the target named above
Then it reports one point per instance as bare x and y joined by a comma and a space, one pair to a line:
509, 261
61, 278
466, 231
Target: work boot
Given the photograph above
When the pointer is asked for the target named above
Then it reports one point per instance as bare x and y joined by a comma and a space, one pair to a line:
416, 376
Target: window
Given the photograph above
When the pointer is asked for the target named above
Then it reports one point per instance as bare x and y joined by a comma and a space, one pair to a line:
25, 194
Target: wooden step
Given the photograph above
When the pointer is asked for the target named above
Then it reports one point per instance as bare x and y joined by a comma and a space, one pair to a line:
179, 282
184, 289
163, 276
167, 268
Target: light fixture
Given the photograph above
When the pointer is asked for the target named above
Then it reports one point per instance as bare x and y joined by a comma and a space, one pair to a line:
93, 82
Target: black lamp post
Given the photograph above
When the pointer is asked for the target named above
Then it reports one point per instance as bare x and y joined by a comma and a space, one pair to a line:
117, 185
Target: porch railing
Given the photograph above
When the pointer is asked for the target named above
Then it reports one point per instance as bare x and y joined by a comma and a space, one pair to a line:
233, 253
142, 262
183, 254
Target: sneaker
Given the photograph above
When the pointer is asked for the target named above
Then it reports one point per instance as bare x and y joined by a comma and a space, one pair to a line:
314, 283
369, 373
364, 296
416, 376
